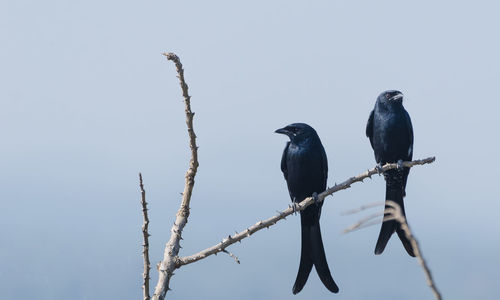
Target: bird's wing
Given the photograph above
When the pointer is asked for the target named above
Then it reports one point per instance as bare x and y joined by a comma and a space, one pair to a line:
369, 128
284, 168
410, 135
324, 166
409, 127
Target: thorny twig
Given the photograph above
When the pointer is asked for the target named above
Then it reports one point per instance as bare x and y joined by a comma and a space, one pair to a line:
393, 212
145, 234
169, 262
236, 259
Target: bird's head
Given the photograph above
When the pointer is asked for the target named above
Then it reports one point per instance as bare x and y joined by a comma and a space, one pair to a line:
298, 132
391, 97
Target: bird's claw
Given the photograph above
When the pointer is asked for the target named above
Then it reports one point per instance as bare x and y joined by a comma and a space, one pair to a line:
400, 164
379, 168
294, 206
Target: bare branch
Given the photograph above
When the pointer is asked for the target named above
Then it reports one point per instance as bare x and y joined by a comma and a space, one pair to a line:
365, 222
168, 264
393, 212
232, 255
369, 220
283, 214
145, 234
361, 208
398, 215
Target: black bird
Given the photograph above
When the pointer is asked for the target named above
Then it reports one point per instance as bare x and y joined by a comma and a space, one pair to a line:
391, 136
305, 168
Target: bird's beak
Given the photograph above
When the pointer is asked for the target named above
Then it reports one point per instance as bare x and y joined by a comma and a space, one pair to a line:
282, 131
398, 96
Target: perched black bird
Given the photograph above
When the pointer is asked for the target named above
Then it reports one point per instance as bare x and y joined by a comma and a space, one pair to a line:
391, 136
305, 168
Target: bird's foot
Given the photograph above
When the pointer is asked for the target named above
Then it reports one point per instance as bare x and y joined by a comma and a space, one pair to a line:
379, 168
400, 164
315, 198
294, 206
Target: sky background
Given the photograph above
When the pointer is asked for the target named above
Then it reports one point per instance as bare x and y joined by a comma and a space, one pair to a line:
87, 101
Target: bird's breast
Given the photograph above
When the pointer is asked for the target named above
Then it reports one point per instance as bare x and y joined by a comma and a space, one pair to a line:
306, 174
391, 140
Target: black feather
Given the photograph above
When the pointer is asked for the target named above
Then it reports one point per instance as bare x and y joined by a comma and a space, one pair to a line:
305, 167
390, 132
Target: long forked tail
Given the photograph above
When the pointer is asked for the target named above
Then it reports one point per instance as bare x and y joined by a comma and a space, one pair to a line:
313, 253
389, 227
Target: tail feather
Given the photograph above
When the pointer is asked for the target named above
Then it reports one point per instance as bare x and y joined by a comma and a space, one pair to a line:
313, 253
319, 259
401, 234
306, 263
389, 227
386, 231
406, 242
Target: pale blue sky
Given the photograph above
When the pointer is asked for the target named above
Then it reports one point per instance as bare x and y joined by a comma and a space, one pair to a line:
87, 101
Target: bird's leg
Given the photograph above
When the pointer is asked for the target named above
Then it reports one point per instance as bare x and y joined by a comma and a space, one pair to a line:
315, 198
400, 164
379, 168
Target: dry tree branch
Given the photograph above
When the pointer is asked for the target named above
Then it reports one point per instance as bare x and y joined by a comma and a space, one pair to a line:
361, 208
145, 250
398, 215
393, 212
236, 259
283, 214
365, 222
169, 262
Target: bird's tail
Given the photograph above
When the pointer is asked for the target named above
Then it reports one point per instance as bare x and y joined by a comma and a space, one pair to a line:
313, 253
389, 227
